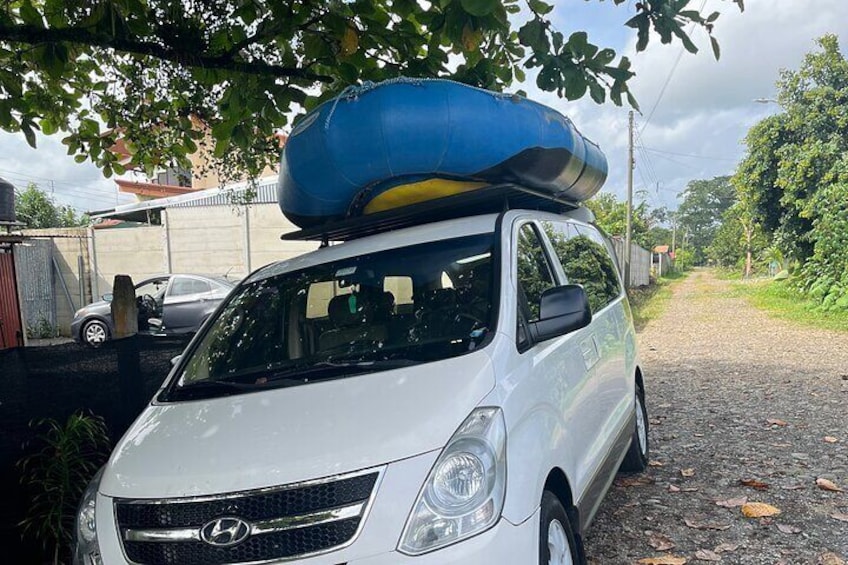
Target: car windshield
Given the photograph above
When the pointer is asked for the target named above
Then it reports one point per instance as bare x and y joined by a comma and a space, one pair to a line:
377, 311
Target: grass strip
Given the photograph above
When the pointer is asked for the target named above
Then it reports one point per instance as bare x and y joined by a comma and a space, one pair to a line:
647, 303
780, 300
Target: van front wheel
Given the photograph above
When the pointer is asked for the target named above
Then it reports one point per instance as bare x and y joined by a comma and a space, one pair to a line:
556, 538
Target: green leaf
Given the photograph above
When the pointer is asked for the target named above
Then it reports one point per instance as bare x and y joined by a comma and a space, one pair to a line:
532, 34
47, 126
29, 134
30, 15
684, 37
604, 57
479, 8
520, 76
597, 92
575, 84
716, 47
540, 7
642, 24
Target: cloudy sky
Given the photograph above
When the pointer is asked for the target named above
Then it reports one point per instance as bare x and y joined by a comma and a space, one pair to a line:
694, 130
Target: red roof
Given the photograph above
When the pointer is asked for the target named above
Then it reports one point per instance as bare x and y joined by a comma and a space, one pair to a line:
150, 189
661, 249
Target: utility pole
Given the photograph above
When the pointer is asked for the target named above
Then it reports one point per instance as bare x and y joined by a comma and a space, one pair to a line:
673, 234
629, 235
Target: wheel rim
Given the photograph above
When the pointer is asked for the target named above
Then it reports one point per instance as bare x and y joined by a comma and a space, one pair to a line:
641, 428
95, 333
559, 551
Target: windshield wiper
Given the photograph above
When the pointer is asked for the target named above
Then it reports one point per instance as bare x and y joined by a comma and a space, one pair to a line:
301, 373
208, 389
328, 369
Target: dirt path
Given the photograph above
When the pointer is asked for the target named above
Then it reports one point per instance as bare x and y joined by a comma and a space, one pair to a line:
734, 395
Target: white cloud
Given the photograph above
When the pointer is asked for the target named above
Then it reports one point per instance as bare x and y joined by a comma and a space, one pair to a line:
80, 185
707, 107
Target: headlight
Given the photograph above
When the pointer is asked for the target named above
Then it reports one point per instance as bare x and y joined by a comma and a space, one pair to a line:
80, 313
464, 493
86, 549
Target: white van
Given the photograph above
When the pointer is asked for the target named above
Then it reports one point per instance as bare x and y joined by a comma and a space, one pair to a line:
459, 392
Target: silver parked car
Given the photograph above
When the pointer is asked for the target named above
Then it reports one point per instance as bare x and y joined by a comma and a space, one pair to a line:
167, 305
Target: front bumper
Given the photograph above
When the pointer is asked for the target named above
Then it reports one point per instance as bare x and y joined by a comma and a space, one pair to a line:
76, 327
504, 544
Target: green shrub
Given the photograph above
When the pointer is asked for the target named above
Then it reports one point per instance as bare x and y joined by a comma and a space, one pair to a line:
67, 457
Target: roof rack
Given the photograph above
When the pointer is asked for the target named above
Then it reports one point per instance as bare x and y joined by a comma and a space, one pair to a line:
487, 200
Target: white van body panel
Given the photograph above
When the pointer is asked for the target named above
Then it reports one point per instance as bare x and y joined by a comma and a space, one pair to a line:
288, 435
567, 404
565, 400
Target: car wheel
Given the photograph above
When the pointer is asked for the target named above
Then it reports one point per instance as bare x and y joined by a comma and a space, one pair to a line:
556, 538
95, 333
636, 459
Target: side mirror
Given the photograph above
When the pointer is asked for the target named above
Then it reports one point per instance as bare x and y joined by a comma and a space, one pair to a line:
175, 360
107, 297
562, 310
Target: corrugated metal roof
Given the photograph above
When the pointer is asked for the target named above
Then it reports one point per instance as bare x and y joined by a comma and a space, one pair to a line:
266, 193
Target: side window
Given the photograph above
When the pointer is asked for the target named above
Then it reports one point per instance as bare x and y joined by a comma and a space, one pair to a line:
585, 262
183, 286
534, 272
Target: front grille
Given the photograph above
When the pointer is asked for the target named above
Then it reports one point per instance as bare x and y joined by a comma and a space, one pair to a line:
285, 522
281, 545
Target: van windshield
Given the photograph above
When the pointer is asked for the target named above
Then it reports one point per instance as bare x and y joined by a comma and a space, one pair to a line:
372, 312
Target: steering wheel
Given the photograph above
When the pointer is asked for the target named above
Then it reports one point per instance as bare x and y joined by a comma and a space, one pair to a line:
146, 305
477, 321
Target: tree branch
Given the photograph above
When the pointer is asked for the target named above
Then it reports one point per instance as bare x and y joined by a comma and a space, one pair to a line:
30, 34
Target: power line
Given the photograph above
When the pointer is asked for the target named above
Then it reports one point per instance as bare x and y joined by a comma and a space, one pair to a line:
78, 190
707, 157
670, 75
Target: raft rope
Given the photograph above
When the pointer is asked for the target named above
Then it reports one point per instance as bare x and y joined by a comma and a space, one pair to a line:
354, 91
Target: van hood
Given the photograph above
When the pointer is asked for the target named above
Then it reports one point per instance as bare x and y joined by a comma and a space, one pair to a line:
287, 435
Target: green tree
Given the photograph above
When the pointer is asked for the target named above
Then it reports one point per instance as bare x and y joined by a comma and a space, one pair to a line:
700, 214
739, 240
151, 70
36, 209
795, 172
611, 216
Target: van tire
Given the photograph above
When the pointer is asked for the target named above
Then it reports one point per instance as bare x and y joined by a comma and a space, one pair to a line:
636, 459
555, 533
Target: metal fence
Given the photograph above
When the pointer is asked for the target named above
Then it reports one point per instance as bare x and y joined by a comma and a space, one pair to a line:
640, 267
34, 264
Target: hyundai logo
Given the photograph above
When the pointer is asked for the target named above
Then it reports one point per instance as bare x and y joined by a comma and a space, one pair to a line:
225, 532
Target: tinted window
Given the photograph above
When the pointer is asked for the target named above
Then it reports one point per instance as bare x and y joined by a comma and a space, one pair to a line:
183, 286
346, 317
534, 273
585, 262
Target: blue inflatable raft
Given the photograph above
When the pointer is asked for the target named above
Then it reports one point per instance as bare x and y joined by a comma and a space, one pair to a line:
385, 146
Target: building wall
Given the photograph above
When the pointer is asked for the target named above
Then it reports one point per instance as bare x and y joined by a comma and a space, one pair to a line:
213, 240
138, 252
216, 240
267, 224
207, 240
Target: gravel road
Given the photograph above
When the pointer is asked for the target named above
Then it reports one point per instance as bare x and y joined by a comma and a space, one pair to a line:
734, 395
